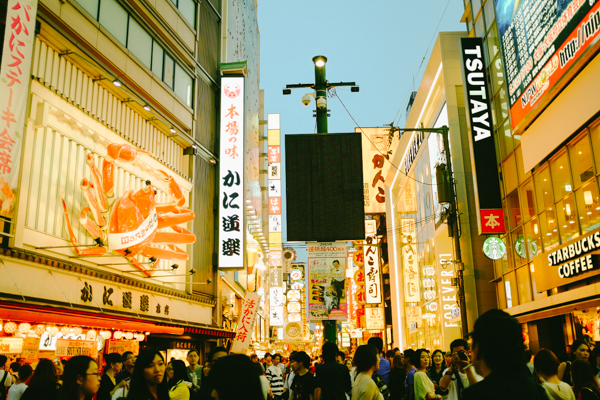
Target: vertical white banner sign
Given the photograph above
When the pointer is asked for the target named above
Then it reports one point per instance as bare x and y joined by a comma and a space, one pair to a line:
231, 184
371, 264
410, 264
243, 336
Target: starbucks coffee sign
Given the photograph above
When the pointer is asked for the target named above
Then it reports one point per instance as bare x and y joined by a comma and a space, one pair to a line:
494, 248
573, 261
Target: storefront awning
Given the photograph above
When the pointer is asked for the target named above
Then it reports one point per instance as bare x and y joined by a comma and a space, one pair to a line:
208, 330
50, 315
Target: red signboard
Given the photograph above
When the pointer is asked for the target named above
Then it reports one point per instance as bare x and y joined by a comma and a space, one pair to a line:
274, 154
492, 221
274, 205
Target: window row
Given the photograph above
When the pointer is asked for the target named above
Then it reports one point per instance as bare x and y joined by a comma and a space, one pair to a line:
111, 15
187, 9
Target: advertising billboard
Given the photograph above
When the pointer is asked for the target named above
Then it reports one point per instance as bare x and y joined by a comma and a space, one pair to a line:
327, 281
541, 41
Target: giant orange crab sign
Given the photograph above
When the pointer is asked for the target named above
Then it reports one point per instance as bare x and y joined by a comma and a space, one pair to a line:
129, 225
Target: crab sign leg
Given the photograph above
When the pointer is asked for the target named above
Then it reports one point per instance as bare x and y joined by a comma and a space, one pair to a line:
135, 262
179, 236
116, 152
90, 225
97, 183
172, 187
91, 200
175, 217
172, 253
92, 251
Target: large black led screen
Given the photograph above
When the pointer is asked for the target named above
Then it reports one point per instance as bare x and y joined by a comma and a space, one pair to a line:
324, 193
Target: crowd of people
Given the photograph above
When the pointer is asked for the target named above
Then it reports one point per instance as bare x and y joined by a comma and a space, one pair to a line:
495, 365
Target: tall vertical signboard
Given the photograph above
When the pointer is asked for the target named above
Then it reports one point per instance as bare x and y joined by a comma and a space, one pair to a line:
410, 264
327, 281
541, 41
231, 184
371, 264
17, 54
483, 152
243, 336
274, 181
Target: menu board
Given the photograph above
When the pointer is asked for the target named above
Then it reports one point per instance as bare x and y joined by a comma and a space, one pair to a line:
540, 40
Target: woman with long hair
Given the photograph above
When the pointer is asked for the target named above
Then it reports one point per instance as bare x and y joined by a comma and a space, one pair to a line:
245, 384
43, 385
545, 365
366, 361
424, 388
585, 382
108, 384
80, 379
179, 386
579, 351
147, 380
436, 370
396, 378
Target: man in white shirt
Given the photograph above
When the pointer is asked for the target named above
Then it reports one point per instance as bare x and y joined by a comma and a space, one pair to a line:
19, 387
459, 374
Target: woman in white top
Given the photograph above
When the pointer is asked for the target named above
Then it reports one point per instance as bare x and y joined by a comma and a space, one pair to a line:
366, 361
424, 388
546, 367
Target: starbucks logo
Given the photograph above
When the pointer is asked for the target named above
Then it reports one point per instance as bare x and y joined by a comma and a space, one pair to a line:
494, 248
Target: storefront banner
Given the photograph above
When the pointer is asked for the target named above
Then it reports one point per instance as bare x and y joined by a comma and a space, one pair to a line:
30, 348
17, 54
243, 336
71, 348
231, 183
277, 296
375, 318
276, 277
410, 264
276, 316
121, 346
447, 299
293, 332
377, 148
541, 41
372, 265
573, 261
486, 180
327, 281
11, 345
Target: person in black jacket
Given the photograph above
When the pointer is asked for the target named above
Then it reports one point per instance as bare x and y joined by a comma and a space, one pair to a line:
43, 384
333, 379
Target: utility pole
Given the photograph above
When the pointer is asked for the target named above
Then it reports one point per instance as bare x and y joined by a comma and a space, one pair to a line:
320, 87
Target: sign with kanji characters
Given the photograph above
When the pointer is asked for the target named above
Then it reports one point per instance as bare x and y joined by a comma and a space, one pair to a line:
274, 155
243, 336
274, 171
492, 221
327, 281
374, 317
275, 258
231, 193
15, 71
277, 296
274, 205
378, 147
276, 316
410, 264
71, 348
10, 345
371, 265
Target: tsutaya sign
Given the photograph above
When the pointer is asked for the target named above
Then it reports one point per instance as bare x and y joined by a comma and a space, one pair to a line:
413, 150
573, 261
231, 183
483, 151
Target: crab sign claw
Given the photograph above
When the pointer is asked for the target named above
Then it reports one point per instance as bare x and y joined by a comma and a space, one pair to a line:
171, 253
179, 236
174, 217
97, 184
172, 187
92, 251
123, 152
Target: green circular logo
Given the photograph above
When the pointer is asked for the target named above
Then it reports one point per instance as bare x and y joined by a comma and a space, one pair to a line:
494, 248
520, 249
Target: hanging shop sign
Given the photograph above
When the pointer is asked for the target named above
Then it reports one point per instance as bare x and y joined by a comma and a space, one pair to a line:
243, 336
17, 55
410, 264
375, 318
540, 43
277, 296
486, 180
327, 281
30, 348
293, 332
377, 148
71, 348
276, 316
275, 257
494, 248
274, 188
573, 261
11, 345
121, 346
371, 265
412, 151
231, 166
276, 276
293, 295
407, 201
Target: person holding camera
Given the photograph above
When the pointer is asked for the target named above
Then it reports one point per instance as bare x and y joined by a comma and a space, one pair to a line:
459, 373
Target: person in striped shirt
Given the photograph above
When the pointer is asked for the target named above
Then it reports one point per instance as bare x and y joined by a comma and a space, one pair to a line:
274, 375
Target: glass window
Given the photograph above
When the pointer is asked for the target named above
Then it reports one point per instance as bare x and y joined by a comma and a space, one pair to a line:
91, 6
520, 168
588, 206
581, 160
183, 85
543, 188
488, 11
523, 285
479, 26
509, 169
536, 295
497, 75
157, 59
139, 42
595, 132
501, 294
188, 10
507, 260
532, 237
505, 137
518, 245
475, 7
514, 210
549, 229
168, 71
527, 202
114, 18
567, 218
498, 268
561, 176
510, 289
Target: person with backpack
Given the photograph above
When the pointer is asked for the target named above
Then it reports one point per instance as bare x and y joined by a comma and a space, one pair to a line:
5, 378
333, 379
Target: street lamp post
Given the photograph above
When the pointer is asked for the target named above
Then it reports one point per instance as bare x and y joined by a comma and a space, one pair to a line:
320, 88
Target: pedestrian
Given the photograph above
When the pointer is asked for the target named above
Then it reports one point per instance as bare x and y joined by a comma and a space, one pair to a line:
340, 358
18, 388
43, 384
246, 384
459, 374
389, 355
268, 361
545, 365
497, 355
194, 370
14, 370
128, 364
179, 384
366, 360
332, 378
585, 384
348, 364
6, 379
397, 376
80, 379
108, 385
206, 385
289, 379
304, 384
282, 365
579, 351
436, 371
384, 365
274, 376
423, 386
409, 381
147, 380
